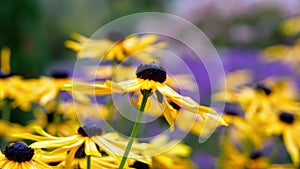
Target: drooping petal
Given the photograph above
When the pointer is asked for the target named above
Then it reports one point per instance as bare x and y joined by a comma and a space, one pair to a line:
291, 146
55, 143
71, 156
90, 148
39, 165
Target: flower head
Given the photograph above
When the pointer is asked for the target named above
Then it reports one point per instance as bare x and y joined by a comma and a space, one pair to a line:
150, 77
20, 156
90, 140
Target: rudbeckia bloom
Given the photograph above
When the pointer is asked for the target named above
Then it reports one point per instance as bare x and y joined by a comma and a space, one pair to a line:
150, 77
20, 156
233, 158
89, 138
56, 119
259, 100
287, 124
116, 48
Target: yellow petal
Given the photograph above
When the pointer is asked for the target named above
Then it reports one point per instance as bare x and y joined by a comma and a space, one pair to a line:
291, 145
90, 148
5, 60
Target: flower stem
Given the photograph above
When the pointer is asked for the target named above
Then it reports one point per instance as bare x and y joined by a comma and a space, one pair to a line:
6, 111
146, 94
88, 162
56, 118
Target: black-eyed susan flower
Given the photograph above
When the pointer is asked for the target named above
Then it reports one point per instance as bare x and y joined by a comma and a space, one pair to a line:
10, 128
287, 124
56, 120
233, 158
150, 77
20, 156
116, 48
89, 138
262, 98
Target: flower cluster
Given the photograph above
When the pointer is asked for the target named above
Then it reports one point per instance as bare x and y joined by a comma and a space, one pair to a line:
57, 139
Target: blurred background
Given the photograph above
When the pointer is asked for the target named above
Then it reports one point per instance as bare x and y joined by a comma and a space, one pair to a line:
36, 30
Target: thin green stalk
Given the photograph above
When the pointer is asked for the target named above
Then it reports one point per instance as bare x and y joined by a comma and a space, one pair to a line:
6, 111
277, 141
146, 94
56, 118
88, 162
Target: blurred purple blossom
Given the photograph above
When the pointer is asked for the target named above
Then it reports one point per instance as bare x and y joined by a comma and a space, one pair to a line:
204, 160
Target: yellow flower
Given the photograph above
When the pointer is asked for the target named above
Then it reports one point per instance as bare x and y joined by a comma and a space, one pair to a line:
235, 159
89, 137
140, 48
285, 54
167, 154
121, 73
62, 121
287, 124
150, 77
9, 128
291, 26
264, 97
20, 156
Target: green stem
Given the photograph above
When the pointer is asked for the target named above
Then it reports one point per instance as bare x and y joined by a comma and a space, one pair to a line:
146, 94
88, 162
56, 118
277, 141
6, 111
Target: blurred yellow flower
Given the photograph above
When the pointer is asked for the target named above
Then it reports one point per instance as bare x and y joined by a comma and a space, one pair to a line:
291, 26
141, 48
285, 54
287, 124
168, 154
235, 159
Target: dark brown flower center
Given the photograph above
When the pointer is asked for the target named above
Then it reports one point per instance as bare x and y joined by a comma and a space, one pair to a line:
59, 75
264, 88
116, 36
140, 165
89, 130
286, 117
18, 152
151, 71
255, 155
